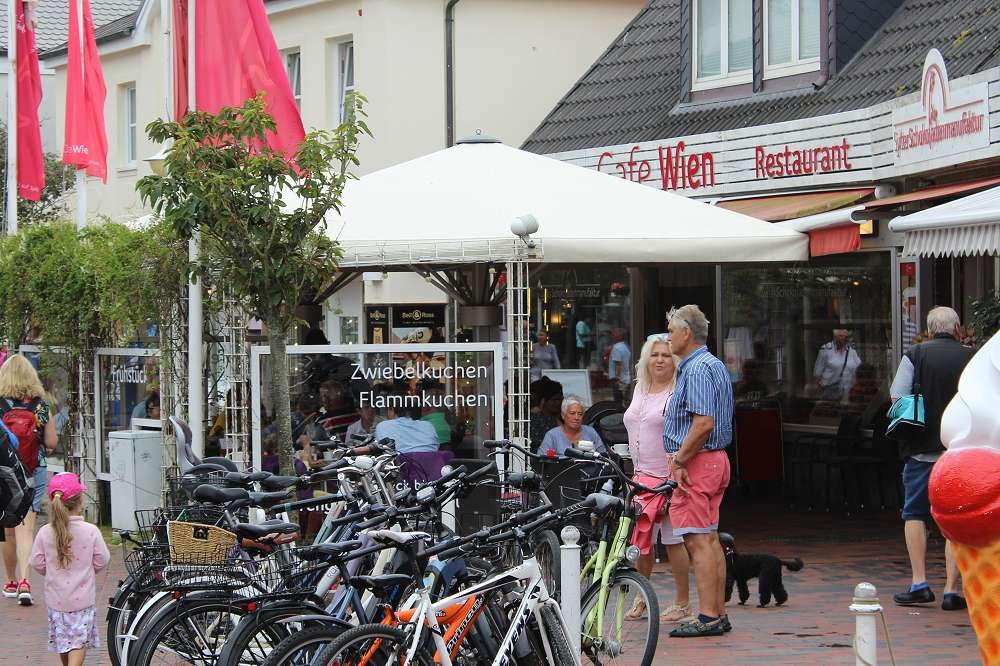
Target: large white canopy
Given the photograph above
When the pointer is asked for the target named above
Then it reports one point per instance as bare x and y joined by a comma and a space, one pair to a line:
964, 227
457, 205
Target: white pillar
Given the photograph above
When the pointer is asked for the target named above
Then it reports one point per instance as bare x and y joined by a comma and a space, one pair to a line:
196, 385
865, 608
11, 202
569, 586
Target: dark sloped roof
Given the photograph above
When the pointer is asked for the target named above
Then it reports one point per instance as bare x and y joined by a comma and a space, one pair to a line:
633, 91
53, 21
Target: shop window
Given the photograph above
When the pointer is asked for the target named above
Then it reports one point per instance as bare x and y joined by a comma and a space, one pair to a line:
125, 381
722, 43
815, 337
582, 310
791, 37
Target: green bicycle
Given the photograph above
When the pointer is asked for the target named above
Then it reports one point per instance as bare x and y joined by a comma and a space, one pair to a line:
608, 636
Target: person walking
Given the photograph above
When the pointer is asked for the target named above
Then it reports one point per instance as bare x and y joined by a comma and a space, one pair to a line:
697, 428
933, 367
584, 340
544, 356
69, 552
26, 413
654, 387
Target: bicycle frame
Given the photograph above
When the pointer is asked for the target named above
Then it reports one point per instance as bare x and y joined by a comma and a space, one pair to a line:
472, 601
603, 564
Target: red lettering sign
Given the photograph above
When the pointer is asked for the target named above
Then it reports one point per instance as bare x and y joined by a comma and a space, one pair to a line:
678, 171
791, 161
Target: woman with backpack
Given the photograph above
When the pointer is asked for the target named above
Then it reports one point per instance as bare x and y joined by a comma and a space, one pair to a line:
25, 413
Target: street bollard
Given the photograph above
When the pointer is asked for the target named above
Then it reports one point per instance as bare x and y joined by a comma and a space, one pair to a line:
865, 607
450, 507
569, 586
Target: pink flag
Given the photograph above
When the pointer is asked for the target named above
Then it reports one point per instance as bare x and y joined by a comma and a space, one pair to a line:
235, 58
30, 160
86, 145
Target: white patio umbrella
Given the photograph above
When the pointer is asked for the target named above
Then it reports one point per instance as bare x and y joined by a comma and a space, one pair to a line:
456, 206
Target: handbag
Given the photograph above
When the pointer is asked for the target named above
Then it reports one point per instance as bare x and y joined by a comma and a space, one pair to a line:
906, 416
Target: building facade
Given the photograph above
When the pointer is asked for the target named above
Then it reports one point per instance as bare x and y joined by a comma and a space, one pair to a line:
833, 117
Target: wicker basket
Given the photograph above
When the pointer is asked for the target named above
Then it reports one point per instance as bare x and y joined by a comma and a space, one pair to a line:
194, 543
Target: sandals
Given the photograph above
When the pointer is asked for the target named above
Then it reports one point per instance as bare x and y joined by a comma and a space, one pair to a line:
675, 613
638, 610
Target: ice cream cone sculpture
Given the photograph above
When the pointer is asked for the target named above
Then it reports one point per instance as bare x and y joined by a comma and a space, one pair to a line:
965, 492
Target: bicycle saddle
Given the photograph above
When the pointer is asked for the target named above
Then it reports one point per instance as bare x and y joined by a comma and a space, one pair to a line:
278, 482
217, 495
245, 478
603, 504
389, 537
255, 532
525, 480
380, 584
268, 500
333, 549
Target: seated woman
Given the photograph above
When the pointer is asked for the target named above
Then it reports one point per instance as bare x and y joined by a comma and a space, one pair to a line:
571, 432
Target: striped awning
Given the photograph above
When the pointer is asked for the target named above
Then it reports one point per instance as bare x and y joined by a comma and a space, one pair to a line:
969, 226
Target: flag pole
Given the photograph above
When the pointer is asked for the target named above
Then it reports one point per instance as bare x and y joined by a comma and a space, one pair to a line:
81, 174
11, 202
196, 384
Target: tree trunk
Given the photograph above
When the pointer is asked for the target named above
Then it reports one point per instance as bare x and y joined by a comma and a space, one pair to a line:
280, 395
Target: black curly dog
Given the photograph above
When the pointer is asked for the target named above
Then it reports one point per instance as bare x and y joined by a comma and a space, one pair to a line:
740, 568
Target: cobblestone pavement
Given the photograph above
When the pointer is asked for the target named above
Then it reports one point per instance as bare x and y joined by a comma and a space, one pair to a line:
814, 627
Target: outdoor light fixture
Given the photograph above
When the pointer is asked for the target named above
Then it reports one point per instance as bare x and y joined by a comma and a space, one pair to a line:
523, 226
158, 162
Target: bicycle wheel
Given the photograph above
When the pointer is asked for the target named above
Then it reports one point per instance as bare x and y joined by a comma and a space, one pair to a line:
194, 634
371, 645
620, 640
302, 648
257, 634
125, 602
547, 553
556, 632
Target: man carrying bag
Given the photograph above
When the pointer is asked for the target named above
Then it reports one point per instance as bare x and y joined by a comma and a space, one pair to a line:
928, 375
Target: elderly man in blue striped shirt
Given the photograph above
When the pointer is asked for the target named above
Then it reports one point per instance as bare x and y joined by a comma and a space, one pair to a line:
697, 428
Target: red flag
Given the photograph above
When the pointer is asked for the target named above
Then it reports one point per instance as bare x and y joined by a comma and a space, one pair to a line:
86, 145
235, 58
30, 160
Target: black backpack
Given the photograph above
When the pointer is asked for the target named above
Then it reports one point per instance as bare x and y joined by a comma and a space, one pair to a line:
17, 486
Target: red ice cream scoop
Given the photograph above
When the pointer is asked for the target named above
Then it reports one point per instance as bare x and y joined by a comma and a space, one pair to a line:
965, 495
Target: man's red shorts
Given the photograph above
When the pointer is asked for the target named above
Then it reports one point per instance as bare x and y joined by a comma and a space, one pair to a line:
697, 510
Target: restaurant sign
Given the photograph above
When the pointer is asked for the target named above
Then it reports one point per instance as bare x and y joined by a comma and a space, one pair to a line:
944, 121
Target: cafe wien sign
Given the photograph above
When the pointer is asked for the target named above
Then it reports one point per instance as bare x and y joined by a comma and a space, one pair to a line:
945, 123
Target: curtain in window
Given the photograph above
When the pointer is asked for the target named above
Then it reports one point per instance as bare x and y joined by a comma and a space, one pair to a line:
779, 31
709, 16
740, 35
808, 29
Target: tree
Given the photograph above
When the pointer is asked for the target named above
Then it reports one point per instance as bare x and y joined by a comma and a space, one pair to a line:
261, 215
59, 179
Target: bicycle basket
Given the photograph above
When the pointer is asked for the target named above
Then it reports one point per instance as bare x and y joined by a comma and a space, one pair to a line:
192, 542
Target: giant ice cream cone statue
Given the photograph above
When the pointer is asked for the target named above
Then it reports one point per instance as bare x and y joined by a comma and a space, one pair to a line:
965, 492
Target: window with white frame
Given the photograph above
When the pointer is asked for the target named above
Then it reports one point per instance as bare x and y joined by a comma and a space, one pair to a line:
128, 126
722, 43
791, 37
345, 78
293, 62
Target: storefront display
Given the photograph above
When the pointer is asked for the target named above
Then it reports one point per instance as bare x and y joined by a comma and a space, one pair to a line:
815, 337
126, 378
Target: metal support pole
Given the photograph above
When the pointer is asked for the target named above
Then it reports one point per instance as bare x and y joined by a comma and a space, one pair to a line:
196, 384
865, 607
12, 66
569, 586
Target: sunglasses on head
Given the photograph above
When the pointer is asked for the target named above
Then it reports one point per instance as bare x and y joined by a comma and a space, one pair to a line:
658, 337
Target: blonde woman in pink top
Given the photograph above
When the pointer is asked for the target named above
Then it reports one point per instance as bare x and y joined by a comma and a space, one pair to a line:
655, 377
69, 552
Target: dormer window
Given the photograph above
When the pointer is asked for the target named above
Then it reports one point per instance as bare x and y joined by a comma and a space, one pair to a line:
722, 43
791, 37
